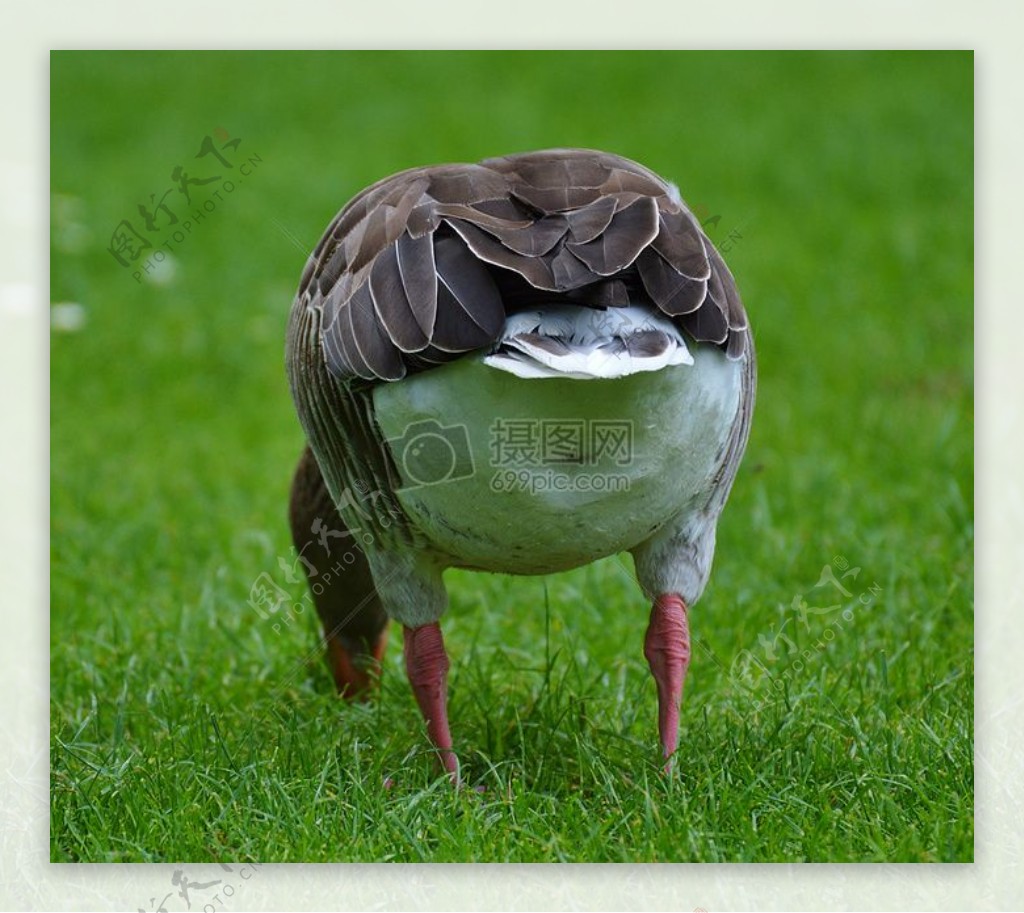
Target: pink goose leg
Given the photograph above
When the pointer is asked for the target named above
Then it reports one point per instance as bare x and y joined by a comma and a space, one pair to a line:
427, 666
667, 649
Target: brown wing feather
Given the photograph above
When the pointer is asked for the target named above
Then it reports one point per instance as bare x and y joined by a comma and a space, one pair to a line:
630, 230
469, 309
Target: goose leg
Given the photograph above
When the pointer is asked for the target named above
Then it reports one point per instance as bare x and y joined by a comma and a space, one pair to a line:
427, 666
353, 619
667, 649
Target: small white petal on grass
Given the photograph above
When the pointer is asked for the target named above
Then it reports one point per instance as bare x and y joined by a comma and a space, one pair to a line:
71, 234
162, 272
71, 237
67, 316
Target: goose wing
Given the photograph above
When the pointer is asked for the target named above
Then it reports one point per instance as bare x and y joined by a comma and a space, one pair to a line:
425, 265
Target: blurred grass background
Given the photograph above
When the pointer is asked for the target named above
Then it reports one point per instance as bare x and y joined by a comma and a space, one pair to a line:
185, 727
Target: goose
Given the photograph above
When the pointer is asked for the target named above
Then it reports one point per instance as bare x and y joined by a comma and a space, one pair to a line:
565, 303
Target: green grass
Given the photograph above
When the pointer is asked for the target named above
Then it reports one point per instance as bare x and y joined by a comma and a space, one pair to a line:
184, 727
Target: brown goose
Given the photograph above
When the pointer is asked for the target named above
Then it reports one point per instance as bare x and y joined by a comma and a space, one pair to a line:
519, 366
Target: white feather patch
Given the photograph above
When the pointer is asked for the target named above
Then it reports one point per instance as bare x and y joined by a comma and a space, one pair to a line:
587, 343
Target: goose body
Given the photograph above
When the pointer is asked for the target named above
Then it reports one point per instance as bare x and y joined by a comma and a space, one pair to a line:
520, 366
539, 516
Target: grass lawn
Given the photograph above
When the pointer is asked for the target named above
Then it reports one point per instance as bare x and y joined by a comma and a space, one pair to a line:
820, 723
